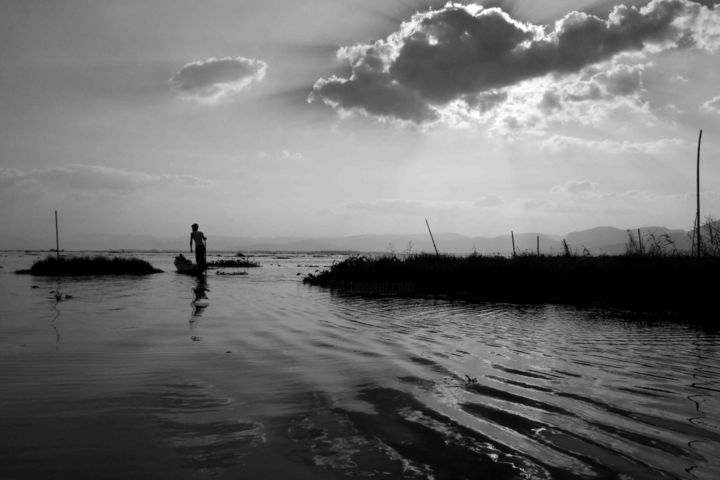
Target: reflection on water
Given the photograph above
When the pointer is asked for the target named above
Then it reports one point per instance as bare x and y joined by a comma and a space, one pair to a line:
291, 381
199, 303
57, 297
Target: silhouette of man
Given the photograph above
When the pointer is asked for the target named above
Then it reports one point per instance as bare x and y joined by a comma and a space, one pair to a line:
199, 238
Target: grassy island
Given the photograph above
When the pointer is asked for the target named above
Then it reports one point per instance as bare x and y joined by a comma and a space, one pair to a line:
659, 281
87, 266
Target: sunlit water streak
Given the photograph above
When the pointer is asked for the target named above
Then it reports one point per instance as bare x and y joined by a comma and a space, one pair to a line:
260, 376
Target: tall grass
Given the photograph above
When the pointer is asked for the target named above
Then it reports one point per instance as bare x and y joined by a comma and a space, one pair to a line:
654, 244
622, 280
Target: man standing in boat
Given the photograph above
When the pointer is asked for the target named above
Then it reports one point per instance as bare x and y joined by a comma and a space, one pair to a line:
199, 239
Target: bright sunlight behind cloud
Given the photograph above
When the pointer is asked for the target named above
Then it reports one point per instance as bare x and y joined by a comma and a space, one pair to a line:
455, 58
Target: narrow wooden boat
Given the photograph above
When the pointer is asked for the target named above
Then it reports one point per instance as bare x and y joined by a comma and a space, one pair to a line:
184, 265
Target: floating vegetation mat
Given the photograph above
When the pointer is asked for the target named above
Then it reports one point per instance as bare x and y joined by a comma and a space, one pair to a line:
82, 266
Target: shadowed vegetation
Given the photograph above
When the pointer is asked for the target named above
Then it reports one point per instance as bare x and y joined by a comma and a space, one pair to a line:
233, 263
98, 265
665, 282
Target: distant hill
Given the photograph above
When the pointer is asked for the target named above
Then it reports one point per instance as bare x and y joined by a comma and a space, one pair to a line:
599, 240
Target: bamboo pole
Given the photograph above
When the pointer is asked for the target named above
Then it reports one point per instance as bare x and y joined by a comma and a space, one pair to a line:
512, 237
431, 238
57, 238
697, 216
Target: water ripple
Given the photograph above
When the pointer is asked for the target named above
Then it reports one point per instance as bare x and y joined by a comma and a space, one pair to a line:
260, 376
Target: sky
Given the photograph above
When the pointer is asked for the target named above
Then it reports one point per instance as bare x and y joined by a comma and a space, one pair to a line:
343, 117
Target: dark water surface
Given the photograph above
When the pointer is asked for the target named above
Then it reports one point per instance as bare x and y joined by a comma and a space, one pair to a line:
259, 376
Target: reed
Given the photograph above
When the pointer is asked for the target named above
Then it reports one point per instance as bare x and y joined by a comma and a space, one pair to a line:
621, 280
86, 266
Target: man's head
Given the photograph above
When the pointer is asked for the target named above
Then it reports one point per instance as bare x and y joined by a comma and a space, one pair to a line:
195, 227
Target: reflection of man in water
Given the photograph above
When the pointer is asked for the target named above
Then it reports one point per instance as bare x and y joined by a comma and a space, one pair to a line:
200, 302
199, 238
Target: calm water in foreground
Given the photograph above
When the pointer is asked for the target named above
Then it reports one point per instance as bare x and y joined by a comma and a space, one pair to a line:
262, 377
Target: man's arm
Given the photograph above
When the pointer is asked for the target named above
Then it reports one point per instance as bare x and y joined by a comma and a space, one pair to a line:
191, 239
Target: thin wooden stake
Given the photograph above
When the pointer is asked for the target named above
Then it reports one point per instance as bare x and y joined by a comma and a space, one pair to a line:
431, 238
640, 244
697, 216
512, 237
538, 245
57, 238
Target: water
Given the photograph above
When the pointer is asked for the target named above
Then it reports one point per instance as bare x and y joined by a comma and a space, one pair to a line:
259, 376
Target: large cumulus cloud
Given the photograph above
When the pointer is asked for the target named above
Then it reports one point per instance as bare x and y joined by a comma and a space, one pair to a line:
461, 52
212, 79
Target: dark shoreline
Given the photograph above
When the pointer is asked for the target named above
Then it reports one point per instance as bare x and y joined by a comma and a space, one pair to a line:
660, 283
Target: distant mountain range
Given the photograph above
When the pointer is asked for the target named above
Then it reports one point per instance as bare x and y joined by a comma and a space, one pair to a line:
599, 240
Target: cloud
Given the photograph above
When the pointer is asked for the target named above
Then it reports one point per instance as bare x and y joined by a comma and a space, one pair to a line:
558, 143
395, 206
9, 177
621, 80
608, 83
611, 91
216, 78
489, 201
712, 106
280, 155
585, 203
575, 187
373, 94
708, 3
288, 155
455, 53
93, 178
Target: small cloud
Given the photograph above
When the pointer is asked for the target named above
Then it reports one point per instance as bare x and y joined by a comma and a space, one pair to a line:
581, 91
280, 155
681, 80
622, 79
575, 187
10, 177
216, 78
286, 155
712, 106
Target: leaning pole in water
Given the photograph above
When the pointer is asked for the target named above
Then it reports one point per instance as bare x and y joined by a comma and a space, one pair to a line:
697, 215
432, 238
57, 238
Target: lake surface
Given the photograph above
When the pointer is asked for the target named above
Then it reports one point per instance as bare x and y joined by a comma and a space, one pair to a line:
259, 376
